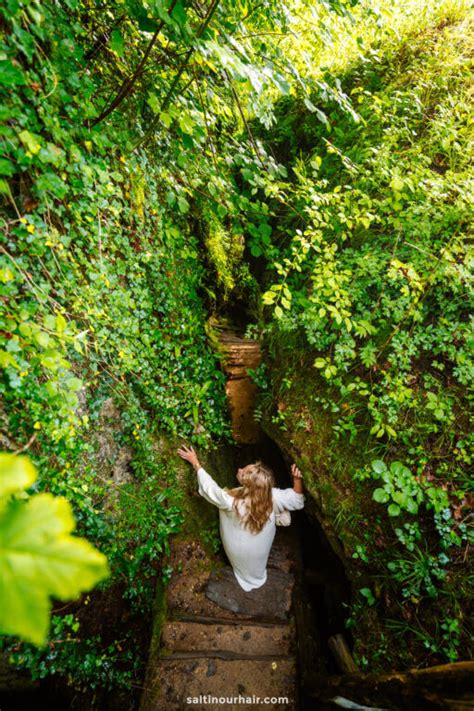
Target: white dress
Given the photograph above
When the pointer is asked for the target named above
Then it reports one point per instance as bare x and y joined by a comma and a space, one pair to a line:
248, 552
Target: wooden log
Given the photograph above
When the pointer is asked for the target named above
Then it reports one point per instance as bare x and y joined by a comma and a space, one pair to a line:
340, 651
447, 687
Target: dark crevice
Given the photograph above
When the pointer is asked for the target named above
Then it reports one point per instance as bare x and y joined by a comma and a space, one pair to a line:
327, 585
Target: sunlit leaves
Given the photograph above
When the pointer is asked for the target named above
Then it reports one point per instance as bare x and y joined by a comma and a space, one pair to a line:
117, 42
31, 141
16, 474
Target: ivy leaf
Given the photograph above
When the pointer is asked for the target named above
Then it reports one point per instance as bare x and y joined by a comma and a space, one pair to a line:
183, 205
187, 123
7, 360
40, 559
378, 466
255, 250
400, 470
412, 506
154, 103
369, 596
269, 297
166, 118
10, 75
52, 183
61, 323
31, 141
393, 510
397, 183
6, 167
381, 496
400, 498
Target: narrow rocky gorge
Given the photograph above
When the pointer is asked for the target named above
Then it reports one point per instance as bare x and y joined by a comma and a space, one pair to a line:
216, 647
219, 645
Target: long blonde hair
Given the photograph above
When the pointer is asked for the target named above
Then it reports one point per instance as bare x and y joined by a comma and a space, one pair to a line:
256, 490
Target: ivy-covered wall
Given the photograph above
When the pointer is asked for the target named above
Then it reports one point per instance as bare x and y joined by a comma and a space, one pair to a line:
104, 355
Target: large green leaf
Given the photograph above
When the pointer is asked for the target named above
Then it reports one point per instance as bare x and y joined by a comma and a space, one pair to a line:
39, 559
16, 474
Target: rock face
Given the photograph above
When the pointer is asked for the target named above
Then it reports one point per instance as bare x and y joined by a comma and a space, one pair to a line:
222, 648
113, 459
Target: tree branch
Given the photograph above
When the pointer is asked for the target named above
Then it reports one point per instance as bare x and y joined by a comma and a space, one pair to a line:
175, 82
128, 83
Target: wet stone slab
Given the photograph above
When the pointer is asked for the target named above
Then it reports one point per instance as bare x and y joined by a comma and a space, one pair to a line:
186, 597
270, 602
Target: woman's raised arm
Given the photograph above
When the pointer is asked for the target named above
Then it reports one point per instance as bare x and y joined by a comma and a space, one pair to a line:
190, 456
208, 488
290, 499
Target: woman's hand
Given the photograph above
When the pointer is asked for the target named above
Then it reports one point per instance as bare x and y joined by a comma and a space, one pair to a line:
297, 479
295, 472
190, 456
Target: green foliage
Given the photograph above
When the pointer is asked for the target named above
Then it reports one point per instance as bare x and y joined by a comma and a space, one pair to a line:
99, 283
259, 376
134, 154
368, 281
419, 572
400, 490
368, 595
225, 251
445, 641
84, 660
377, 277
39, 559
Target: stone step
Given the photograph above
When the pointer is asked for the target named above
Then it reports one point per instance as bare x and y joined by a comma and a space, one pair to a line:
284, 554
237, 620
221, 648
190, 595
186, 597
184, 684
270, 602
237, 640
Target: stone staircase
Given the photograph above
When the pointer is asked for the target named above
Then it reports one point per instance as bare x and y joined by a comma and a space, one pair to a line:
220, 642
241, 354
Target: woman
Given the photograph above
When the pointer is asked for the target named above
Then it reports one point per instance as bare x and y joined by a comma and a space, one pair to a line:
247, 515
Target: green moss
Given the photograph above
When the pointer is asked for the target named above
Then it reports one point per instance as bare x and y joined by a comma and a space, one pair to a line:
159, 617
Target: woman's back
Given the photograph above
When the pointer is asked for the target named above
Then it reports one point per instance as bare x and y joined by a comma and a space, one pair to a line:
247, 551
